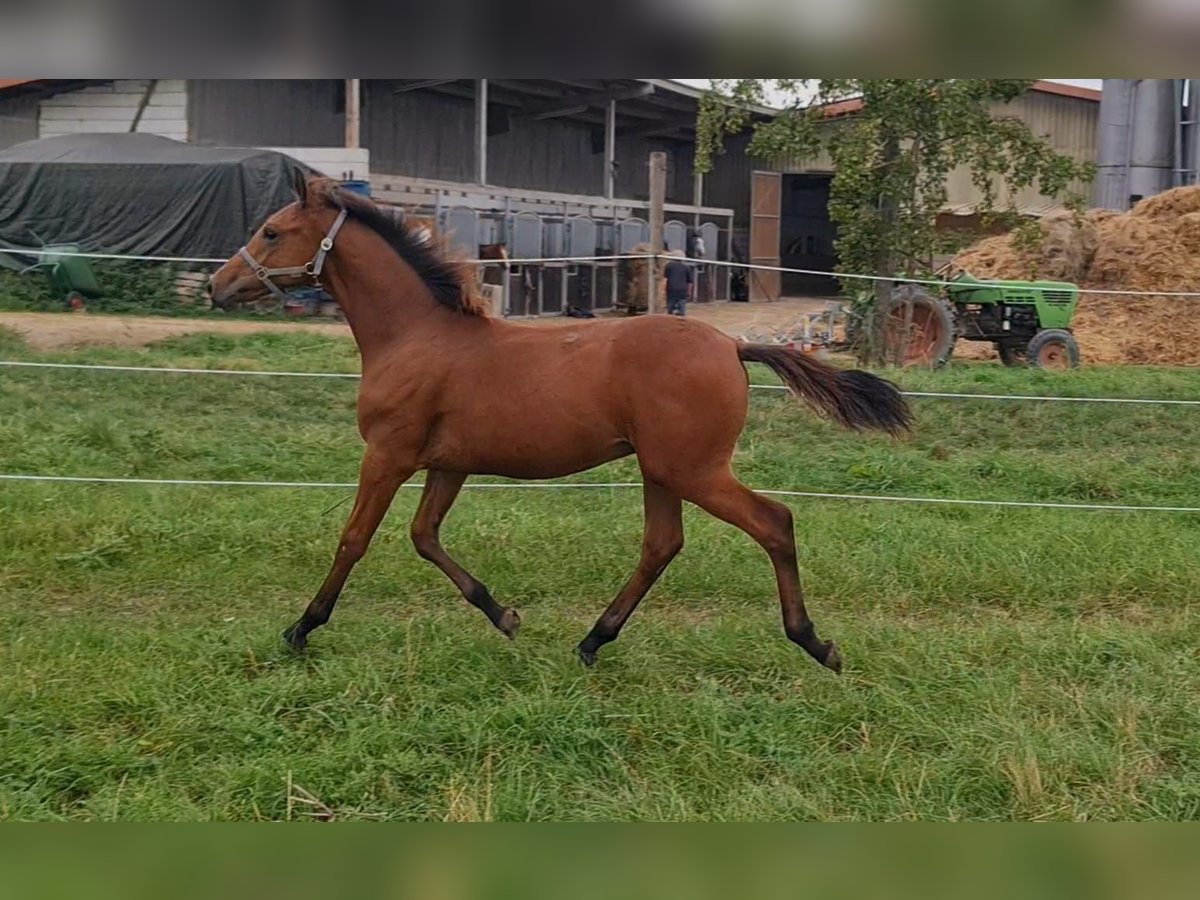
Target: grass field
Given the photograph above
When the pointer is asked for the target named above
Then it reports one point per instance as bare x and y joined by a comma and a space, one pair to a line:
1000, 663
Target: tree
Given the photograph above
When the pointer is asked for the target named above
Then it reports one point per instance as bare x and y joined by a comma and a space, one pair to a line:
891, 157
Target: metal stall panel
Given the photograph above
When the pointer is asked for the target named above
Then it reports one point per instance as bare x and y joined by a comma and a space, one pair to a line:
553, 288
630, 233
581, 236
554, 239
553, 279
491, 230
711, 280
710, 233
462, 230
521, 292
675, 235
581, 241
604, 282
526, 236
605, 279
526, 232
606, 238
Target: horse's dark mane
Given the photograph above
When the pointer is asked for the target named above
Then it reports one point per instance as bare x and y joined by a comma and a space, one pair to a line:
448, 280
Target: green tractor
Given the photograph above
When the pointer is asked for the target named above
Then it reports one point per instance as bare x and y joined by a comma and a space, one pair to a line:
1029, 322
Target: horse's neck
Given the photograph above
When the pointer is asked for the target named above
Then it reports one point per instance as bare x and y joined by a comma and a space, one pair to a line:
382, 298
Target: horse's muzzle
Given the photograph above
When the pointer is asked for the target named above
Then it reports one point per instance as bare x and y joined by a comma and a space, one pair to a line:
217, 299
238, 291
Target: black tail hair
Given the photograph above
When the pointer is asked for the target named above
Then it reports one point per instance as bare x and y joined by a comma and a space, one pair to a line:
852, 398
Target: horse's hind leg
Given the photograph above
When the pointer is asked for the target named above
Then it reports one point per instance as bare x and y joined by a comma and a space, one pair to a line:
441, 490
378, 481
770, 524
662, 540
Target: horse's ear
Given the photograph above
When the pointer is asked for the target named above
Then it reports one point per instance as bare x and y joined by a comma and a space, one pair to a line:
301, 185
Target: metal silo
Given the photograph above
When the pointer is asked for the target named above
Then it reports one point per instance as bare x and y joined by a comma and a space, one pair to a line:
1113, 147
1191, 145
1151, 159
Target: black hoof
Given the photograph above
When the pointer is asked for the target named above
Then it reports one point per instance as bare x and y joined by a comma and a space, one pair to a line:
587, 657
295, 637
509, 624
833, 659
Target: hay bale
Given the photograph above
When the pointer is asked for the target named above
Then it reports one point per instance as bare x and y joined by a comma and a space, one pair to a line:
1136, 330
1069, 243
1169, 205
635, 276
1096, 216
1187, 230
1064, 252
1140, 254
993, 257
1155, 249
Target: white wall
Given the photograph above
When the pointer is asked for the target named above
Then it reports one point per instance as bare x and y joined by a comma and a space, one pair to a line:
111, 108
336, 162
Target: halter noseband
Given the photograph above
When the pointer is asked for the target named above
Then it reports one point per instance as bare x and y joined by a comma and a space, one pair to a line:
312, 268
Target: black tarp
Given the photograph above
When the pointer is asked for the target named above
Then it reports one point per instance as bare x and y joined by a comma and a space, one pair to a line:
139, 194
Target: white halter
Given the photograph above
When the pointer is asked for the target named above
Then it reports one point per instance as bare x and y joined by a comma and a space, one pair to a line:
312, 268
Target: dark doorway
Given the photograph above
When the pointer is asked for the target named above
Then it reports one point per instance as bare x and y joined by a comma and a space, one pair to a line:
807, 235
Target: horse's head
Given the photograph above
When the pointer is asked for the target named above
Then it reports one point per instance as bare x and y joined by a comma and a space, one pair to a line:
288, 251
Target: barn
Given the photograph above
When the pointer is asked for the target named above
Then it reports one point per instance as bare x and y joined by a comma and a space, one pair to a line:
552, 168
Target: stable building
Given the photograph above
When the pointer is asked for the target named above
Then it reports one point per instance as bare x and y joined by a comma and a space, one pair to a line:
550, 168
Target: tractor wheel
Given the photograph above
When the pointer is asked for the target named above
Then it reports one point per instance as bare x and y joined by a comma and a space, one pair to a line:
920, 328
1053, 349
1013, 354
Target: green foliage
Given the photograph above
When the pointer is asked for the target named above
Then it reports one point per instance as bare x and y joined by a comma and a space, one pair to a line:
128, 287
892, 157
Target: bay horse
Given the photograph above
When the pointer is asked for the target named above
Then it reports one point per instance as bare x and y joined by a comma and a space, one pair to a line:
451, 391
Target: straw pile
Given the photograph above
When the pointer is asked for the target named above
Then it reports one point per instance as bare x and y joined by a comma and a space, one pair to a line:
635, 277
1065, 251
1153, 247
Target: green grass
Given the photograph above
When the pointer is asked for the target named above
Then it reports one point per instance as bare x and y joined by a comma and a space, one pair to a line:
1001, 664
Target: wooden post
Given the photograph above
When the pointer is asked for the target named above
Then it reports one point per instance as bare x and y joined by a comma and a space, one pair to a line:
353, 113
481, 109
729, 258
610, 150
658, 196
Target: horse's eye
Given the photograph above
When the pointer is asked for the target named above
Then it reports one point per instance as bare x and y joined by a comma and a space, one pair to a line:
270, 233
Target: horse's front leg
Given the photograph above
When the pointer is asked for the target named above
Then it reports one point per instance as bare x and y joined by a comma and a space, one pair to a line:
441, 490
380, 477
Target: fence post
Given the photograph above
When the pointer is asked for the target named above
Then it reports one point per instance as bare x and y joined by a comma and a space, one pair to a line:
658, 193
353, 115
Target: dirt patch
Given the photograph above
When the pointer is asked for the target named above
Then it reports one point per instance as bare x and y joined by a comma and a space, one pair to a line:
54, 331
1153, 247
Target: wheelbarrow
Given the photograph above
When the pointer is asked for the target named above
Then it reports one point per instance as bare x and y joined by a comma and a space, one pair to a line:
71, 277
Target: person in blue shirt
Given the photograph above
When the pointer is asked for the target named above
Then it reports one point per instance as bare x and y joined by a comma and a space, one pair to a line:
681, 285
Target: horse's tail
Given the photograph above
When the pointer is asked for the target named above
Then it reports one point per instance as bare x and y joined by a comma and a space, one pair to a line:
852, 398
